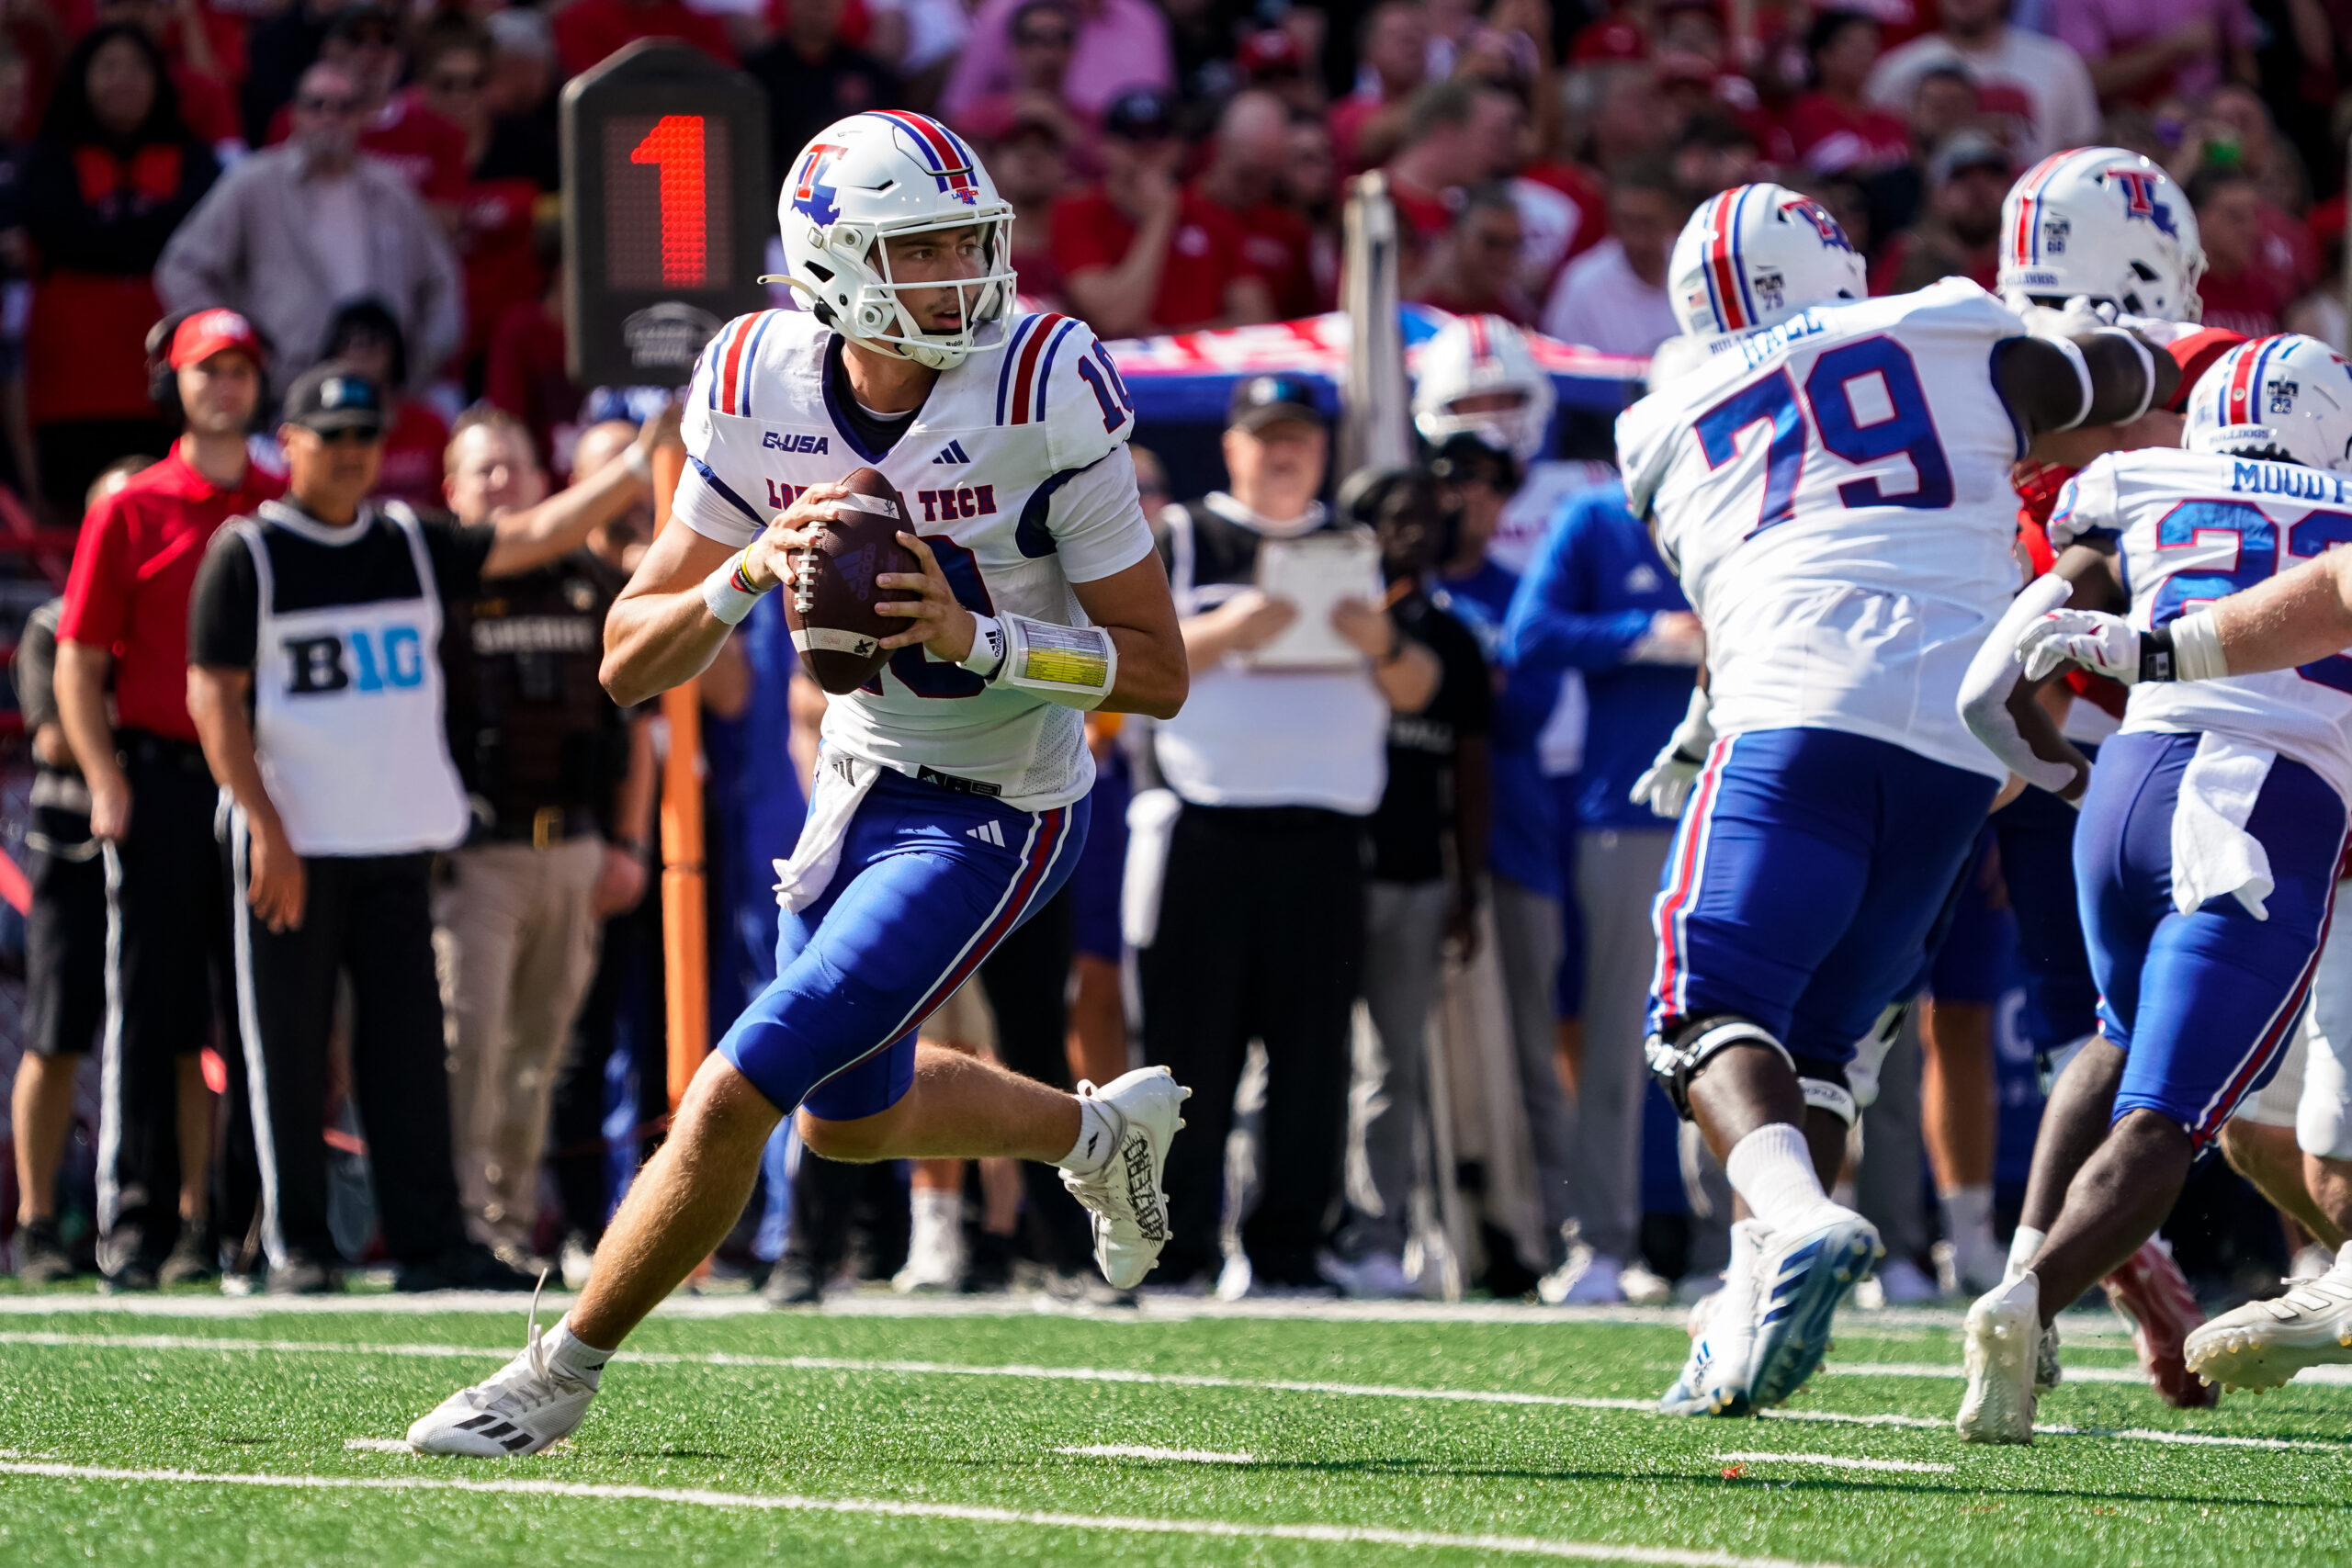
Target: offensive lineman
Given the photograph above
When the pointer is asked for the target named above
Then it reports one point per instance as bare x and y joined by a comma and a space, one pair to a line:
1831, 485
951, 799
2214, 822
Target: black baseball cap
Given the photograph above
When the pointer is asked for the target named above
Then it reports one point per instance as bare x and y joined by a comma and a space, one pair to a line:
1140, 114
334, 396
1261, 400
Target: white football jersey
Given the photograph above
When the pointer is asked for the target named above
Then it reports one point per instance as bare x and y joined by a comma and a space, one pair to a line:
1015, 472
2193, 527
1833, 493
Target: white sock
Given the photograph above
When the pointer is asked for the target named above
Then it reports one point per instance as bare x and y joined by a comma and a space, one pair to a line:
575, 1355
1968, 1218
936, 1208
1772, 1168
2023, 1244
1098, 1140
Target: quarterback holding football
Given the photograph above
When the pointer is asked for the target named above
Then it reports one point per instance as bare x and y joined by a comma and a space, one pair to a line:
940, 483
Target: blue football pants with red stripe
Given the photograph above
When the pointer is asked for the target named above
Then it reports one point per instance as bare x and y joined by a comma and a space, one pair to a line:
2202, 1005
930, 881
1807, 874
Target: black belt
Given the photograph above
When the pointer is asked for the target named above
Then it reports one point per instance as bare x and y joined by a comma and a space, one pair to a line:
543, 829
961, 787
142, 749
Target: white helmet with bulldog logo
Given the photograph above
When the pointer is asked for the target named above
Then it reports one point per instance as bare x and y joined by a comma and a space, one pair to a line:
2288, 397
1756, 255
2102, 224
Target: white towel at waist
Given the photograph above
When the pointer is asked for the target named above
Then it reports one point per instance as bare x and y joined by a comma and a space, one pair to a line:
841, 783
2211, 851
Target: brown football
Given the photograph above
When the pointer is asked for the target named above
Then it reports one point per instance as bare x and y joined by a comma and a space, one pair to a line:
828, 601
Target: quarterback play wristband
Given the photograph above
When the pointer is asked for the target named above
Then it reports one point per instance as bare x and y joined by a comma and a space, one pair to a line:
1075, 666
727, 592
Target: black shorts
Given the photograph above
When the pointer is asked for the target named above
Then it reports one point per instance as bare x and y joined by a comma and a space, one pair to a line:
65, 935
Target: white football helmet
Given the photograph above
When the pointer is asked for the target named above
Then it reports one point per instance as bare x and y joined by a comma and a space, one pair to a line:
2287, 396
1755, 255
868, 178
2106, 225
1483, 358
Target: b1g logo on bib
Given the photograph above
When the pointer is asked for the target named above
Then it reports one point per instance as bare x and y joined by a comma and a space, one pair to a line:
390, 658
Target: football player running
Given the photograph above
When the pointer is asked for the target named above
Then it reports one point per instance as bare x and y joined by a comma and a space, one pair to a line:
1831, 485
2262, 666
2103, 233
951, 799
2213, 825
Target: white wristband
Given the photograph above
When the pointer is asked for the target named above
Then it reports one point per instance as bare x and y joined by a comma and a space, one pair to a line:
2147, 369
2197, 648
988, 647
727, 592
2074, 353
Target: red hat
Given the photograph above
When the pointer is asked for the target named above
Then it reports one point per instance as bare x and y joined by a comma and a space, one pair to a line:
1270, 51
206, 333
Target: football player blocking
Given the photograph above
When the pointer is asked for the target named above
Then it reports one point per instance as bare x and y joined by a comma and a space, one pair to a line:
1828, 476
951, 800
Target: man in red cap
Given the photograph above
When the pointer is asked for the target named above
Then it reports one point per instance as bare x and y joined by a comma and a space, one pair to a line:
152, 798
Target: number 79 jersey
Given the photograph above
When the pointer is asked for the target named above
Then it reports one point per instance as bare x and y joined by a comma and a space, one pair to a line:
1833, 493
1014, 472
2191, 527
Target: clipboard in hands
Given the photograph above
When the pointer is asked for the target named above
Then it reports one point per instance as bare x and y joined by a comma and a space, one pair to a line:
1315, 573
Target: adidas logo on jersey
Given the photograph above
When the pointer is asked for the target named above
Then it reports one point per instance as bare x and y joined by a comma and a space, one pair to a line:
987, 833
952, 453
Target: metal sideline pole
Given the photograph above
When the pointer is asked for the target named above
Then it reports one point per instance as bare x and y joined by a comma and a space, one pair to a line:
685, 938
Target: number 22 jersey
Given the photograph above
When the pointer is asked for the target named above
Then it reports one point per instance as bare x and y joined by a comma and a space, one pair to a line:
1833, 493
2191, 527
1015, 472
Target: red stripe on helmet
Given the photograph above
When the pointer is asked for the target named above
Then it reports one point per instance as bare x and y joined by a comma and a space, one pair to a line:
1719, 264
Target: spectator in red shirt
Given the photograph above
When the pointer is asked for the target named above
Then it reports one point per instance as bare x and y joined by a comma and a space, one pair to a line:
1446, 147
2249, 282
1244, 179
511, 167
112, 174
1140, 253
1310, 187
152, 797
1394, 44
1834, 130
1030, 164
1474, 270
1957, 236
396, 127
588, 30
365, 334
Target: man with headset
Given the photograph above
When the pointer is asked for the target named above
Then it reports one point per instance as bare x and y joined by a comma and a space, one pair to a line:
152, 798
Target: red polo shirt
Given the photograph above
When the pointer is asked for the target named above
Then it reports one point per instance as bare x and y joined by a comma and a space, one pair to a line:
134, 569
1205, 252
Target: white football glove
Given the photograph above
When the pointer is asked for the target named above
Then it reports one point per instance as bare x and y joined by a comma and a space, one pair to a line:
2103, 644
1665, 787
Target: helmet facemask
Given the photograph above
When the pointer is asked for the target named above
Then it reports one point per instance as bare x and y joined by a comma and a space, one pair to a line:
854, 292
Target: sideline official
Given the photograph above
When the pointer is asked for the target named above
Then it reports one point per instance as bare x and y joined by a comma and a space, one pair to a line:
152, 801
560, 823
1262, 920
317, 687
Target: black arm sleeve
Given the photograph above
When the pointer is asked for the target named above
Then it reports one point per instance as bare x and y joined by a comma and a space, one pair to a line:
225, 613
35, 668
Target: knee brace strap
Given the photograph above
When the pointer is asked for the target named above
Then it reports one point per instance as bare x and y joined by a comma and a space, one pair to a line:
1820, 1094
1675, 1059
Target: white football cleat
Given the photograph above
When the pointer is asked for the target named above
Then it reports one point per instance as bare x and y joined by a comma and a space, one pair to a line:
1714, 1381
2000, 1348
2264, 1343
521, 1408
934, 1243
1125, 1208
1801, 1279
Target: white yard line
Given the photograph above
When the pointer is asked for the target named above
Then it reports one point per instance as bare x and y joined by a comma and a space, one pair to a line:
1138, 1450
1523, 1546
2336, 1375
204, 1343
1840, 1462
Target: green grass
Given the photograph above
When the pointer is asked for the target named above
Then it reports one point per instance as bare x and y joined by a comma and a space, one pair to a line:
1555, 1473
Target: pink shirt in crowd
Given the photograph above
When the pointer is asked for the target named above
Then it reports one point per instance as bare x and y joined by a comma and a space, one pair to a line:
2101, 29
1120, 44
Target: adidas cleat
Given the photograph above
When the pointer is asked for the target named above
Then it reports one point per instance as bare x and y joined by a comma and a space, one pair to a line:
1714, 1381
2000, 1348
521, 1408
2153, 1295
1126, 1209
1801, 1279
2264, 1343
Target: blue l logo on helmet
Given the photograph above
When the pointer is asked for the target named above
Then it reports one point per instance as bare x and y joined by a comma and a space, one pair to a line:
2139, 187
812, 196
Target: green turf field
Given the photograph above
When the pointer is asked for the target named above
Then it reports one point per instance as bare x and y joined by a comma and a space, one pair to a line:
197, 1430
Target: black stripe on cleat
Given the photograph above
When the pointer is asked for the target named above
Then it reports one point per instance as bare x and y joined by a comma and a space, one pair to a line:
477, 1423
518, 1441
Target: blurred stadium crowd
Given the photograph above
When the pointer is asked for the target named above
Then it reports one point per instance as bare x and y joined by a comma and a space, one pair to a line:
202, 200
